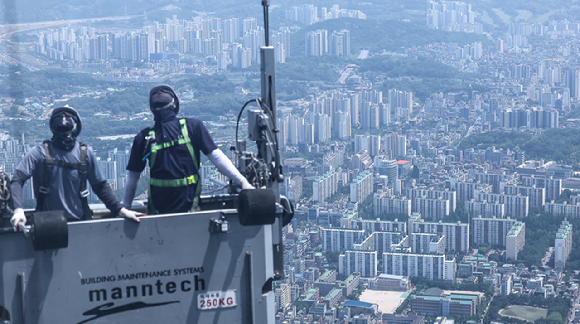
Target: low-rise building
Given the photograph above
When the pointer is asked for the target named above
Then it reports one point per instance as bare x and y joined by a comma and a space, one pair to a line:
393, 282
434, 302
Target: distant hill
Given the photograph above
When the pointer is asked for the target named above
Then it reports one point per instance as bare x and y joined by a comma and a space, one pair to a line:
496, 13
561, 145
503, 12
377, 35
47, 10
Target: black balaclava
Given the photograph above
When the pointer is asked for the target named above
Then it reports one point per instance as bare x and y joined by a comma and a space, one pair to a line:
161, 99
65, 125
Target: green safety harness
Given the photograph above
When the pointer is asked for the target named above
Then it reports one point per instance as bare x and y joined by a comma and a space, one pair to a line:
173, 183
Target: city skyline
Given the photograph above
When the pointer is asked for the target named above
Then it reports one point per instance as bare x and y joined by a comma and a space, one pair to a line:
423, 157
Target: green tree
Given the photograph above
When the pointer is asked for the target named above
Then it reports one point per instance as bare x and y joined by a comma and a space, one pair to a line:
332, 257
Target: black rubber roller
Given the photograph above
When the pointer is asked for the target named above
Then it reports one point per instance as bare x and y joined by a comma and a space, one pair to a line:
257, 207
50, 230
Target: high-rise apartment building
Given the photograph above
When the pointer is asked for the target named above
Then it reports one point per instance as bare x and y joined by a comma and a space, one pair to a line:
515, 240
282, 295
427, 243
306, 14
377, 225
452, 16
552, 185
382, 242
401, 99
432, 208
325, 186
432, 266
340, 239
572, 80
361, 187
340, 43
386, 166
384, 202
492, 231
364, 262
396, 144
515, 205
375, 145
413, 193
362, 142
370, 115
537, 195
562, 244
484, 208
456, 234
317, 42
564, 209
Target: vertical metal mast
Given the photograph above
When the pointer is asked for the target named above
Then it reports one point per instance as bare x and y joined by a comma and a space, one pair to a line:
267, 60
268, 78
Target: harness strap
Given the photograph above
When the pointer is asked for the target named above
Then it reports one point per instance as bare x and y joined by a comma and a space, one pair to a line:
83, 173
48, 168
195, 164
188, 143
74, 166
173, 183
192, 179
82, 167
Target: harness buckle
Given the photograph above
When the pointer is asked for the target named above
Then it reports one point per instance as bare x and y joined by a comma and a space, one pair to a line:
44, 190
191, 179
85, 193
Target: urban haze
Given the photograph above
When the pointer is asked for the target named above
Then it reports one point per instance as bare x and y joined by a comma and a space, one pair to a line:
431, 148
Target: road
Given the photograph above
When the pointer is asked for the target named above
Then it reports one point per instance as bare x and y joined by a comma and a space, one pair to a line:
344, 75
469, 130
495, 292
547, 256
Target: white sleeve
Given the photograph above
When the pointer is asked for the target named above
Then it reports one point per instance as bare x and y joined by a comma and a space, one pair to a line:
130, 188
225, 166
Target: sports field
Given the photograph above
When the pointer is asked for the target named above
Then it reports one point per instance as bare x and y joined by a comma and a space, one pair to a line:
388, 301
526, 313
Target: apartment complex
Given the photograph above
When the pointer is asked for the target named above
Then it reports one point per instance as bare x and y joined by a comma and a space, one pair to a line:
456, 234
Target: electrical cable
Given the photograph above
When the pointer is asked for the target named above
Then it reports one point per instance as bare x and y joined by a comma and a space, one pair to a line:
275, 130
240, 116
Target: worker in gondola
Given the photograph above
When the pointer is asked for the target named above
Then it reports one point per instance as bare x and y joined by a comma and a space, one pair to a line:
172, 146
60, 168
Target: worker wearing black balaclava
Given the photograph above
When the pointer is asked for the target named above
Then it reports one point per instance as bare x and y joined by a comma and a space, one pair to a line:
173, 147
63, 188
163, 102
65, 125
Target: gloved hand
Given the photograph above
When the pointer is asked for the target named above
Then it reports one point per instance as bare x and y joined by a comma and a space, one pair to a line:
247, 185
18, 218
124, 212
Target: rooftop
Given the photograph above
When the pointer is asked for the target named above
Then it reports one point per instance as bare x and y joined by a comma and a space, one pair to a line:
333, 293
356, 303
